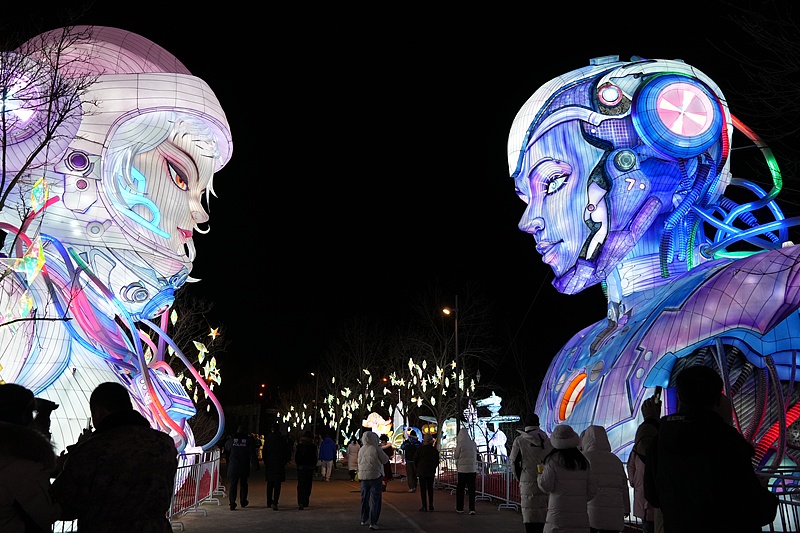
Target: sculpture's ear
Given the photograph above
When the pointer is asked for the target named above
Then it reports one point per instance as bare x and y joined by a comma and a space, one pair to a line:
677, 115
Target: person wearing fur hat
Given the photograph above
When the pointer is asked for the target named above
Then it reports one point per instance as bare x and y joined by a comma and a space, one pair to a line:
608, 509
528, 451
567, 477
26, 462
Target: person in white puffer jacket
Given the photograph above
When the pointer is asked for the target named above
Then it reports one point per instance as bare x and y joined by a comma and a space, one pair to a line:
530, 449
612, 503
568, 478
370, 474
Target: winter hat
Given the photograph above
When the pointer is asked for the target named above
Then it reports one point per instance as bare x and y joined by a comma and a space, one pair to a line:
16, 404
385, 437
564, 437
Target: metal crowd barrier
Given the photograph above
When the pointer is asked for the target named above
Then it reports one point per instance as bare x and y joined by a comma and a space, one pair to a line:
197, 481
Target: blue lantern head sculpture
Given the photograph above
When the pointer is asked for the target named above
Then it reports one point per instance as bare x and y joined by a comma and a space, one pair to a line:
605, 156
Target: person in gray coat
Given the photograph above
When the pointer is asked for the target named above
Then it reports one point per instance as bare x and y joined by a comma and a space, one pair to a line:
529, 450
567, 478
612, 503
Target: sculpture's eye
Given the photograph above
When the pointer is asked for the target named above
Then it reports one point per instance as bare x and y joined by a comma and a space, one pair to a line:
555, 182
177, 177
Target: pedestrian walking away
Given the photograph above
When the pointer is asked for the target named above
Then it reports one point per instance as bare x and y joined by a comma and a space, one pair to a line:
352, 458
426, 460
305, 459
409, 447
371, 461
242, 452
276, 454
327, 454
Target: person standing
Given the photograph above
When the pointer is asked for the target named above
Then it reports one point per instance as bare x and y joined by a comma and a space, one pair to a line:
352, 458
567, 478
409, 448
728, 496
388, 449
327, 454
241, 449
26, 461
466, 458
426, 461
120, 478
612, 503
276, 454
371, 460
305, 459
645, 434
529, 450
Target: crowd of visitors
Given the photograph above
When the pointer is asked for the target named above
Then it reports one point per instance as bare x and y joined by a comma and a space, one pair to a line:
567, 482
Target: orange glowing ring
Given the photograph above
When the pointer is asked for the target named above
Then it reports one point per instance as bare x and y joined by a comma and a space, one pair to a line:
572, 395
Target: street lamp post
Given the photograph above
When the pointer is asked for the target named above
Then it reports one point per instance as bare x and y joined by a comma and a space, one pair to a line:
316, 399
454, 311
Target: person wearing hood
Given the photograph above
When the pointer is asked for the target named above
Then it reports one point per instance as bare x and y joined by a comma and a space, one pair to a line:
276, 455
371, 459
567, 477
529, 450
26, 461
120, 478
612, 503
466, 458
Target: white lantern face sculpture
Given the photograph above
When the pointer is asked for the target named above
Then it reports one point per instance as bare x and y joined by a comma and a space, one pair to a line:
110, 210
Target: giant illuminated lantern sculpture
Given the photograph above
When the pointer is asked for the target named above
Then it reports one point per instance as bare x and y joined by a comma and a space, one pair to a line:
625, 170
100, 229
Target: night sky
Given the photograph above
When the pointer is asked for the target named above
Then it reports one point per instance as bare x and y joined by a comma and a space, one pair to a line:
369, 158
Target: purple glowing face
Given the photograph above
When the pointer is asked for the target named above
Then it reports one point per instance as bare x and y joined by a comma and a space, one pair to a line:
565, 214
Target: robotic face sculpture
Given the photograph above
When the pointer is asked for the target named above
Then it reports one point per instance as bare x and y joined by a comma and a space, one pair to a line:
600, 153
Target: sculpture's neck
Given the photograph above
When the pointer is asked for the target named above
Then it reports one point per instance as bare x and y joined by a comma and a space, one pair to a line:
634, 280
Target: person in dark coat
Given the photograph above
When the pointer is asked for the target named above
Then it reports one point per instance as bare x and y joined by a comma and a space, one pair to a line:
426, 461
305, 459
242, 452
276, 454
121, 477
388, 449
26, 461
409, 447
699, 468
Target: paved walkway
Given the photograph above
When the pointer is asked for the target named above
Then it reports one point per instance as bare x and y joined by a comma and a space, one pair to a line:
335, 507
